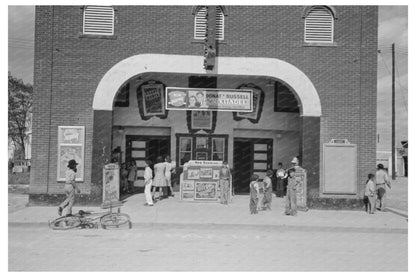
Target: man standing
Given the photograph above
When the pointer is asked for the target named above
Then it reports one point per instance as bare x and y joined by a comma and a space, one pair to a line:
382, 179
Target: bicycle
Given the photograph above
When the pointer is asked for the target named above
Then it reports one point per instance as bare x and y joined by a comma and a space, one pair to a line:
89, 219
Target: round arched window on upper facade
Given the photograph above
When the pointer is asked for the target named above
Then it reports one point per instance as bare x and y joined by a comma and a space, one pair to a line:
201, 21
319, 24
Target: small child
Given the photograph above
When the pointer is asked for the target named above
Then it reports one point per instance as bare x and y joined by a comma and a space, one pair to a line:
370, 192
268, 190
124, 175
254, 193
292, 185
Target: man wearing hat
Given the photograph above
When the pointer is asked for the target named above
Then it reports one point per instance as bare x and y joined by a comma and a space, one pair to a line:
382, 179
70, 188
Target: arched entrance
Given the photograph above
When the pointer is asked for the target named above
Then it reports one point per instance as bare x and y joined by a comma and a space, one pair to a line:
310, 106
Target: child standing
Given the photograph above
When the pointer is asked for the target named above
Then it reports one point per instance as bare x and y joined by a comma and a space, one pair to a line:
370, 192
292, 185
70, 188
254, 192
148, 179
225, 183
124, 175
268, 190
170, 166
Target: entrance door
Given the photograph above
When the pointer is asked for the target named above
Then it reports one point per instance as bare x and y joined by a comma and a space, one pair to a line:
138, 148
251, 156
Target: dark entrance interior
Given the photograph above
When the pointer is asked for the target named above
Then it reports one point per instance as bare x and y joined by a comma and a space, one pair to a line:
251, 156
139, 148
242, 166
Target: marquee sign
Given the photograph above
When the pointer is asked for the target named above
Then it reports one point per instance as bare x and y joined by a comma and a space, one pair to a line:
230, 100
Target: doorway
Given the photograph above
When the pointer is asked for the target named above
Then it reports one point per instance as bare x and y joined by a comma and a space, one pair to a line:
251, 156
139, 148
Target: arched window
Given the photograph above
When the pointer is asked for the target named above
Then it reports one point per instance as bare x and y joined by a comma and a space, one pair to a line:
98, 20
200, 23
319, 25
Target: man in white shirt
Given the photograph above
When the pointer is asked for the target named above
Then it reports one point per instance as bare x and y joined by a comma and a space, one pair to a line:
382, 179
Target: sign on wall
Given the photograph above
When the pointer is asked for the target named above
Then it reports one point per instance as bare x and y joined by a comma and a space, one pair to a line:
232, 100
201, 120
71, 140
153, 99
256, 102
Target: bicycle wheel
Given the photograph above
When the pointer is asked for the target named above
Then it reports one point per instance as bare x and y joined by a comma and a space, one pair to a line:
65, 223
115, 220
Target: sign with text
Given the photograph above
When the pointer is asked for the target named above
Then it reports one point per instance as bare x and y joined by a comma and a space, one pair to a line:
71, 141
153, 99
231, 100
111, 183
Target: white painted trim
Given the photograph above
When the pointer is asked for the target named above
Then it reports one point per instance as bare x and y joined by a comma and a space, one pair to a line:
268, 67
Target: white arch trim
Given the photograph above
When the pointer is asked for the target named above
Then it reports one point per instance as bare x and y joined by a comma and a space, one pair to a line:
268, 67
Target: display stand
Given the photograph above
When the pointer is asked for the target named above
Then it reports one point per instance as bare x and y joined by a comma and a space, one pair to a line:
111, 186
300, 175
199, 182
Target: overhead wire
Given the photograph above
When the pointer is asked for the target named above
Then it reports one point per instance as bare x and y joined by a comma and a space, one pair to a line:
398, 81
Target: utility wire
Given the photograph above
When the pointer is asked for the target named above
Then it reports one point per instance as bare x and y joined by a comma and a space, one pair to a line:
401, 88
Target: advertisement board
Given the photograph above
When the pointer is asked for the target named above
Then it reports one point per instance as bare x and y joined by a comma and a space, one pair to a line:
111, 184
70, 147
199, 181
232, 100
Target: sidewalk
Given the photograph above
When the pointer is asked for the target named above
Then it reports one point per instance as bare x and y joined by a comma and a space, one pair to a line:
172, 211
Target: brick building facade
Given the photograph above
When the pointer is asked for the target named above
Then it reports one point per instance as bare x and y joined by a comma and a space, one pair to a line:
79, 76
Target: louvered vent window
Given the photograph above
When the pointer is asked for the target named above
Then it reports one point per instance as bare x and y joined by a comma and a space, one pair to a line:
319, 25
200, 27
98, 20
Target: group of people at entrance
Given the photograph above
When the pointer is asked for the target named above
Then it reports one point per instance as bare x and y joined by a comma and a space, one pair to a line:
160, 180
375, 190
286, 185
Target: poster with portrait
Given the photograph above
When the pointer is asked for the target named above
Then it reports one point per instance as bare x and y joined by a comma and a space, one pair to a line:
201, 120
153, 99
216, 174
256, 103
71, 140
193, 174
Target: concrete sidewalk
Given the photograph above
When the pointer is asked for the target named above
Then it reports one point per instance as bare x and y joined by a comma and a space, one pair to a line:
172, 211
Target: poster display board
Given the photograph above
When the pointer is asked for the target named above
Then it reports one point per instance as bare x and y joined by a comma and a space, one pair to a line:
199, 181
111, 184
153, 99
71, 141
300, 177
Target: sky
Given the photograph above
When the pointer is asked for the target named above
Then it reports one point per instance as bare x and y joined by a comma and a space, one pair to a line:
393, 28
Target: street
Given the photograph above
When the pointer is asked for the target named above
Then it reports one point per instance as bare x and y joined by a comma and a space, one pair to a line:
205, 247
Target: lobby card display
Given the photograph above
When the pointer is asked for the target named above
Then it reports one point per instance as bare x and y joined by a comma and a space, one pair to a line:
200, 181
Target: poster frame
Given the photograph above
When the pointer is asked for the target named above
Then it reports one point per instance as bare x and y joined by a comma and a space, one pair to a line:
162, 98
79, 143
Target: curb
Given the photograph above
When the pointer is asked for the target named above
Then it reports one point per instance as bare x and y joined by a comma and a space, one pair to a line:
215, 226
398, 212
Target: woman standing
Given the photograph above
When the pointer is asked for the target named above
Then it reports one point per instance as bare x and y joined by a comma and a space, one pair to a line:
132, 176
159, 182
225, 183
148, 176
170, 166
281, 176
267, 198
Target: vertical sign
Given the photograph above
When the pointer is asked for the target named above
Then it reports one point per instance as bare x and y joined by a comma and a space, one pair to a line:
71, 140
111, 183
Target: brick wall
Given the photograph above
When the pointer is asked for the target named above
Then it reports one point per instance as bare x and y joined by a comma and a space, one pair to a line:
344, 75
